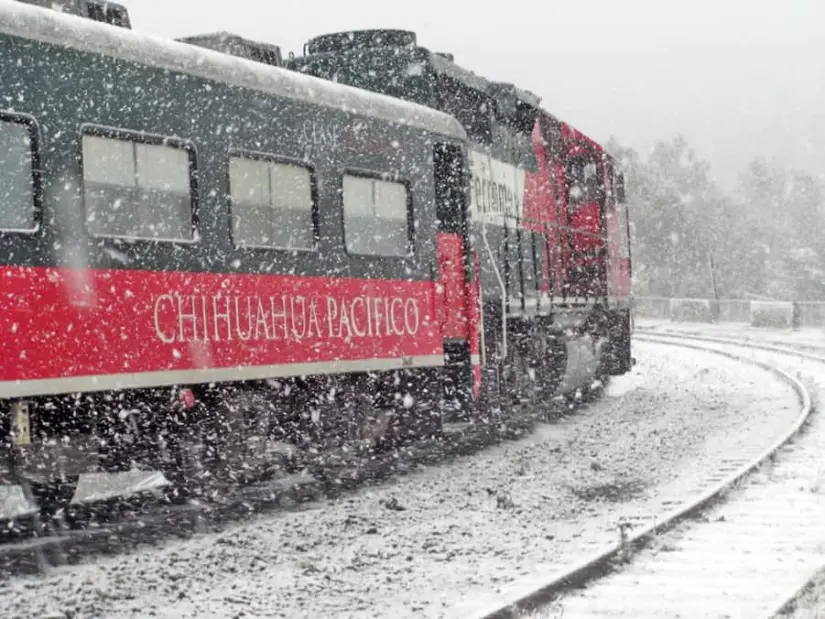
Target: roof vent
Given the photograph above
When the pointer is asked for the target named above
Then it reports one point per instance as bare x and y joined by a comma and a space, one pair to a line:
97, 10
359, 39
234, 45
506, 89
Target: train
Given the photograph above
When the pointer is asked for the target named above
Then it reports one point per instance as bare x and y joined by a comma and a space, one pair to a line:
546, 226
213, 257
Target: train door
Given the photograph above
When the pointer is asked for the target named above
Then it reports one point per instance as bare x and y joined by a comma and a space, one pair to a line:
559, 236
624, 228
585, 199
618, 360
618, 260
459, 284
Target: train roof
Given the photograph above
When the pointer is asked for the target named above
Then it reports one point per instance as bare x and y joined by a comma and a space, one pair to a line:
231, 43
512, 102
49, 26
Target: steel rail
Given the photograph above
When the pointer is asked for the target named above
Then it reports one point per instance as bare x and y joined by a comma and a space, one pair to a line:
602, 562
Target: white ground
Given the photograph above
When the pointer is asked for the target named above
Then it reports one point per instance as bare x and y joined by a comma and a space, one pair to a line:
756, 547
812, 603
439, 542
812, 337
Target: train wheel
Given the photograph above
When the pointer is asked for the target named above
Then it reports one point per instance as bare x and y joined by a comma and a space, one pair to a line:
416, 413
520, 369
217, 445
617, 359
54, 498
552, 365
537, 366
241, 448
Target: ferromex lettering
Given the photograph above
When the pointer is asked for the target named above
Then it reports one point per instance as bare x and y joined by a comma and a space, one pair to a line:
204, 318
497, 189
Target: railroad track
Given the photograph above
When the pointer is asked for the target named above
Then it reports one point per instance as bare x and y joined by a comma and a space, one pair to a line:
683, 330
747, 556
149, 520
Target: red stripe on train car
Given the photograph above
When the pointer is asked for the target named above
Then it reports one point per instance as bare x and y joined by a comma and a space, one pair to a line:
58, 323
453, 280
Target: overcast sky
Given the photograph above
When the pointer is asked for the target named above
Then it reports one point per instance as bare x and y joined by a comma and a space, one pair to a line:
738, 78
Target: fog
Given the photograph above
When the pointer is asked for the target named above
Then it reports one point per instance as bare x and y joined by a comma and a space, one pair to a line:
738, 84
737, 78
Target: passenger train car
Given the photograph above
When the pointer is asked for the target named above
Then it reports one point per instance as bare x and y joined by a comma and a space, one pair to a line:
206, 256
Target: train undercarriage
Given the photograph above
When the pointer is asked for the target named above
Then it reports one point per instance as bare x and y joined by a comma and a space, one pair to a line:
205, 439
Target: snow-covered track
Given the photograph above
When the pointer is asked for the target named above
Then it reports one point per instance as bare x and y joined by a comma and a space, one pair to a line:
161, 521
640, 592
798, 349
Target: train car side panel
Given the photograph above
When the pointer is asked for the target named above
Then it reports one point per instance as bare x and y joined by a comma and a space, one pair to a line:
145, 270
132, 329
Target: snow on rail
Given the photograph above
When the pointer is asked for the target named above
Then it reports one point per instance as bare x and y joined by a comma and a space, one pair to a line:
751, 557
450, 534
48, 26
532, 594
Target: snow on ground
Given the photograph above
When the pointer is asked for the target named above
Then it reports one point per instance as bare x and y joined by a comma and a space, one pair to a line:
803, 337
446, 536
811, 605
796, 477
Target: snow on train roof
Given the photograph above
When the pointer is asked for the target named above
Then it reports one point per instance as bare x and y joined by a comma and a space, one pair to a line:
49, 26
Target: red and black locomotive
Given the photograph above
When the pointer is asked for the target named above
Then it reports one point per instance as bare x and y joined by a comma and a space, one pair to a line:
206, 256
545, 239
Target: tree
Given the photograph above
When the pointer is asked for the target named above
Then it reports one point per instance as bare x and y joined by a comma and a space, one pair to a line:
764, 240
673, 204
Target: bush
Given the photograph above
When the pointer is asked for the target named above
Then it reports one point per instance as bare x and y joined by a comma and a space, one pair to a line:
773, 314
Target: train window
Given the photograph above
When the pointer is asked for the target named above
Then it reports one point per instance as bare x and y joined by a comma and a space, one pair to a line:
18, 166
96, 11
450, 196
620, 191
136, 189
610, 186
272, 204
624, 249
376, 216
583, 182
117, 16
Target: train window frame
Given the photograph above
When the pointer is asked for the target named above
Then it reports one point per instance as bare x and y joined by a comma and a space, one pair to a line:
314, 197
410, 219
573, 203
36, 194
624, 230
448, 218
622, 214
150, 139
610, 183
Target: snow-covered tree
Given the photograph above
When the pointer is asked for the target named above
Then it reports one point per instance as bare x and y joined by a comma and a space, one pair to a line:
762, 240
